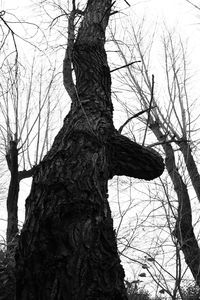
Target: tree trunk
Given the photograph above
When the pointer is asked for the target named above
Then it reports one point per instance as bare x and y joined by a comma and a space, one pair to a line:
67, 248
191, 166
183, 229
13, 193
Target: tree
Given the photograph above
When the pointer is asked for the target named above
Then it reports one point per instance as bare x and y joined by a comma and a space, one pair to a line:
21, 129
67, 248
172, 125
26, 111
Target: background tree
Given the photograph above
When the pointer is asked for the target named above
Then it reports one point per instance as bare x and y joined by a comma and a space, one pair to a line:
170, 119
67, 247
28, 100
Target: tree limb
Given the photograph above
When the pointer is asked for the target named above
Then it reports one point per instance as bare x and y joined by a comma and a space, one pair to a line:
134, 116
149, 113
67, 63
26, 173
124, 66
131, 159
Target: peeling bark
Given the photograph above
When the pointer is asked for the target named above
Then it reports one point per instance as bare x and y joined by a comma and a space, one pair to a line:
67, 248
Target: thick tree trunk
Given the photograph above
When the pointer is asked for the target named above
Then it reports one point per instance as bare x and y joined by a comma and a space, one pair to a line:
67, 248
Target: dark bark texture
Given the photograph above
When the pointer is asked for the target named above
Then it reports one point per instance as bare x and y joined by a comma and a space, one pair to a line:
67, 248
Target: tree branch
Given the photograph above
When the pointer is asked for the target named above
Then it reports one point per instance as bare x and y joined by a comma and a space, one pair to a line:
148, 119
134, 116
124, 66
26, 173
131, 159
127, 3
194, 5
67, 63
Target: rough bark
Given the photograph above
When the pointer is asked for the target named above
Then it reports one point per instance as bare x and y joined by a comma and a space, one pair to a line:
183, 229
67, 248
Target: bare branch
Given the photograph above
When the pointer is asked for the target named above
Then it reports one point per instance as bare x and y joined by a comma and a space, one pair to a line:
127, 3
134, 116
26, 173
149, 111
127, 65
194, 5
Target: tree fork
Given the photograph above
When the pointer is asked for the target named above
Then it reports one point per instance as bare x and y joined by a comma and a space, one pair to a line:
67, 248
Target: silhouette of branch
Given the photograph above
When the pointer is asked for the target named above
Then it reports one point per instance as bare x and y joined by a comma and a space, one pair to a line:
127, 65
127, 3
196, 6
26, 173
151, 100
134, 116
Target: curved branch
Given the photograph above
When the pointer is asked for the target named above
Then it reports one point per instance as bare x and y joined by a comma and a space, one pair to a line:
131, 159
134, 116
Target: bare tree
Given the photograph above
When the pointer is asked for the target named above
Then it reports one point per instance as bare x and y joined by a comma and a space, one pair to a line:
171, 122
26, 110
67, 247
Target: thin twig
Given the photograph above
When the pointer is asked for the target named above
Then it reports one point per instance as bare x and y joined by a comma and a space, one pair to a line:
149, 113
134, 116
127, 65
196, 6
127, 3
